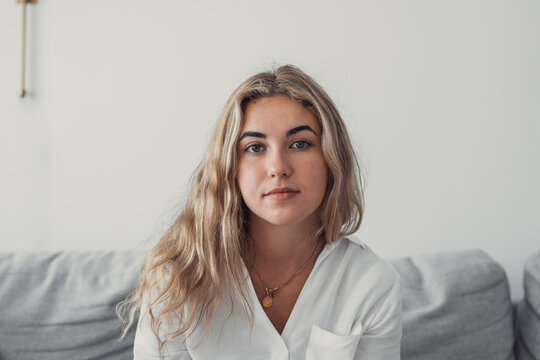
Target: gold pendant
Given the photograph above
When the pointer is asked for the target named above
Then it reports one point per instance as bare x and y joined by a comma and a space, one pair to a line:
267, 301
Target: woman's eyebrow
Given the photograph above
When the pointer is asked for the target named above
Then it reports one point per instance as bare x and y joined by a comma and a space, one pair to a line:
254, 134
300, 128
289, 133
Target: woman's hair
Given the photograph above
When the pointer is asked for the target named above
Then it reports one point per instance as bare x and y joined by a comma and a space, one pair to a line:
184, 276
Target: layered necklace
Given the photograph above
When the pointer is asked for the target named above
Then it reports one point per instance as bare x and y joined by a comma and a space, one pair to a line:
270, 292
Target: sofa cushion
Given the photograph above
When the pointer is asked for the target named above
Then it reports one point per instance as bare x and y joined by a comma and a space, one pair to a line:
62, 305
455, 306
528, 313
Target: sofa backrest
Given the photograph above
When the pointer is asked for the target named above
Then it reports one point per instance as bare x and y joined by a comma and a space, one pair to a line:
62, 305
456, 306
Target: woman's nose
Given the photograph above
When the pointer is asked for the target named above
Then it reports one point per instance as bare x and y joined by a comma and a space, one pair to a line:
278, 164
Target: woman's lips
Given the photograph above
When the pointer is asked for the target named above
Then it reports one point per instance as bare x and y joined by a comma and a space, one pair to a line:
282, 195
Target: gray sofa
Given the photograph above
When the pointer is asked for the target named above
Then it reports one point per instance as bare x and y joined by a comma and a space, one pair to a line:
456, 306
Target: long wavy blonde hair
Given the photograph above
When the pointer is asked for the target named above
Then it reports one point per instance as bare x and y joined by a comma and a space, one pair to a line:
184, 276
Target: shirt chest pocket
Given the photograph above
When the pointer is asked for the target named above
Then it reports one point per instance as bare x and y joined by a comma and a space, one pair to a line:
326, 345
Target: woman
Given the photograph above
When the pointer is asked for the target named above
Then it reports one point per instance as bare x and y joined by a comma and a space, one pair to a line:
260, 264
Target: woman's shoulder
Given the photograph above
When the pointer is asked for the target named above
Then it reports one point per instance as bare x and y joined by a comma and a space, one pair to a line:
358, 258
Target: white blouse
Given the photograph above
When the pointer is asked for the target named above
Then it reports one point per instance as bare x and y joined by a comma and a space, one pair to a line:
349, 308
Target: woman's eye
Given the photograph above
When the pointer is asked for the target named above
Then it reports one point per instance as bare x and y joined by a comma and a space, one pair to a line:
300, 145
256, 148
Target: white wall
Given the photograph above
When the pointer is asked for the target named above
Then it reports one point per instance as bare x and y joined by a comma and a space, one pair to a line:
441, 98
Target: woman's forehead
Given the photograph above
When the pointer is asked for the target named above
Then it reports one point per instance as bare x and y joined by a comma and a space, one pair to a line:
278, 113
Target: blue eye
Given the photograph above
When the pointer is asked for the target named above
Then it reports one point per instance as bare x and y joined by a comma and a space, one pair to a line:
254, 149
300, 145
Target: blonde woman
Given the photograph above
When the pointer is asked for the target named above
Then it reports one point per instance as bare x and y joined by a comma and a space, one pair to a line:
260, 263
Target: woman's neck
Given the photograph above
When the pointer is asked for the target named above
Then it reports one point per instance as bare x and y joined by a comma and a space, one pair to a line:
282, 249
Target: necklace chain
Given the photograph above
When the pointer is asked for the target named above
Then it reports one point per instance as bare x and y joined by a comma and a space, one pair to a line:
267, 299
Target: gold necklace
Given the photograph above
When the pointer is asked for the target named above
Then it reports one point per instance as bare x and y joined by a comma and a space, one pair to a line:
268, 298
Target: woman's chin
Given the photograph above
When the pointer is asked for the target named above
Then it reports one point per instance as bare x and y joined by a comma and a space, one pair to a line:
287, 220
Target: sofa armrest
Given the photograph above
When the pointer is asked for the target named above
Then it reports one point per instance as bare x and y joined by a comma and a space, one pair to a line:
528, 313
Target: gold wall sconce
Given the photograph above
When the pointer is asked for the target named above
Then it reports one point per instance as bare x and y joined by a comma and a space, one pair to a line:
22, 93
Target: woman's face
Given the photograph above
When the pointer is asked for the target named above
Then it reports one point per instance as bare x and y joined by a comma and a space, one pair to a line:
282, 174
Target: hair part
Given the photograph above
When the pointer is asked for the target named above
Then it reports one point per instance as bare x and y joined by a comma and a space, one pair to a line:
183, 278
